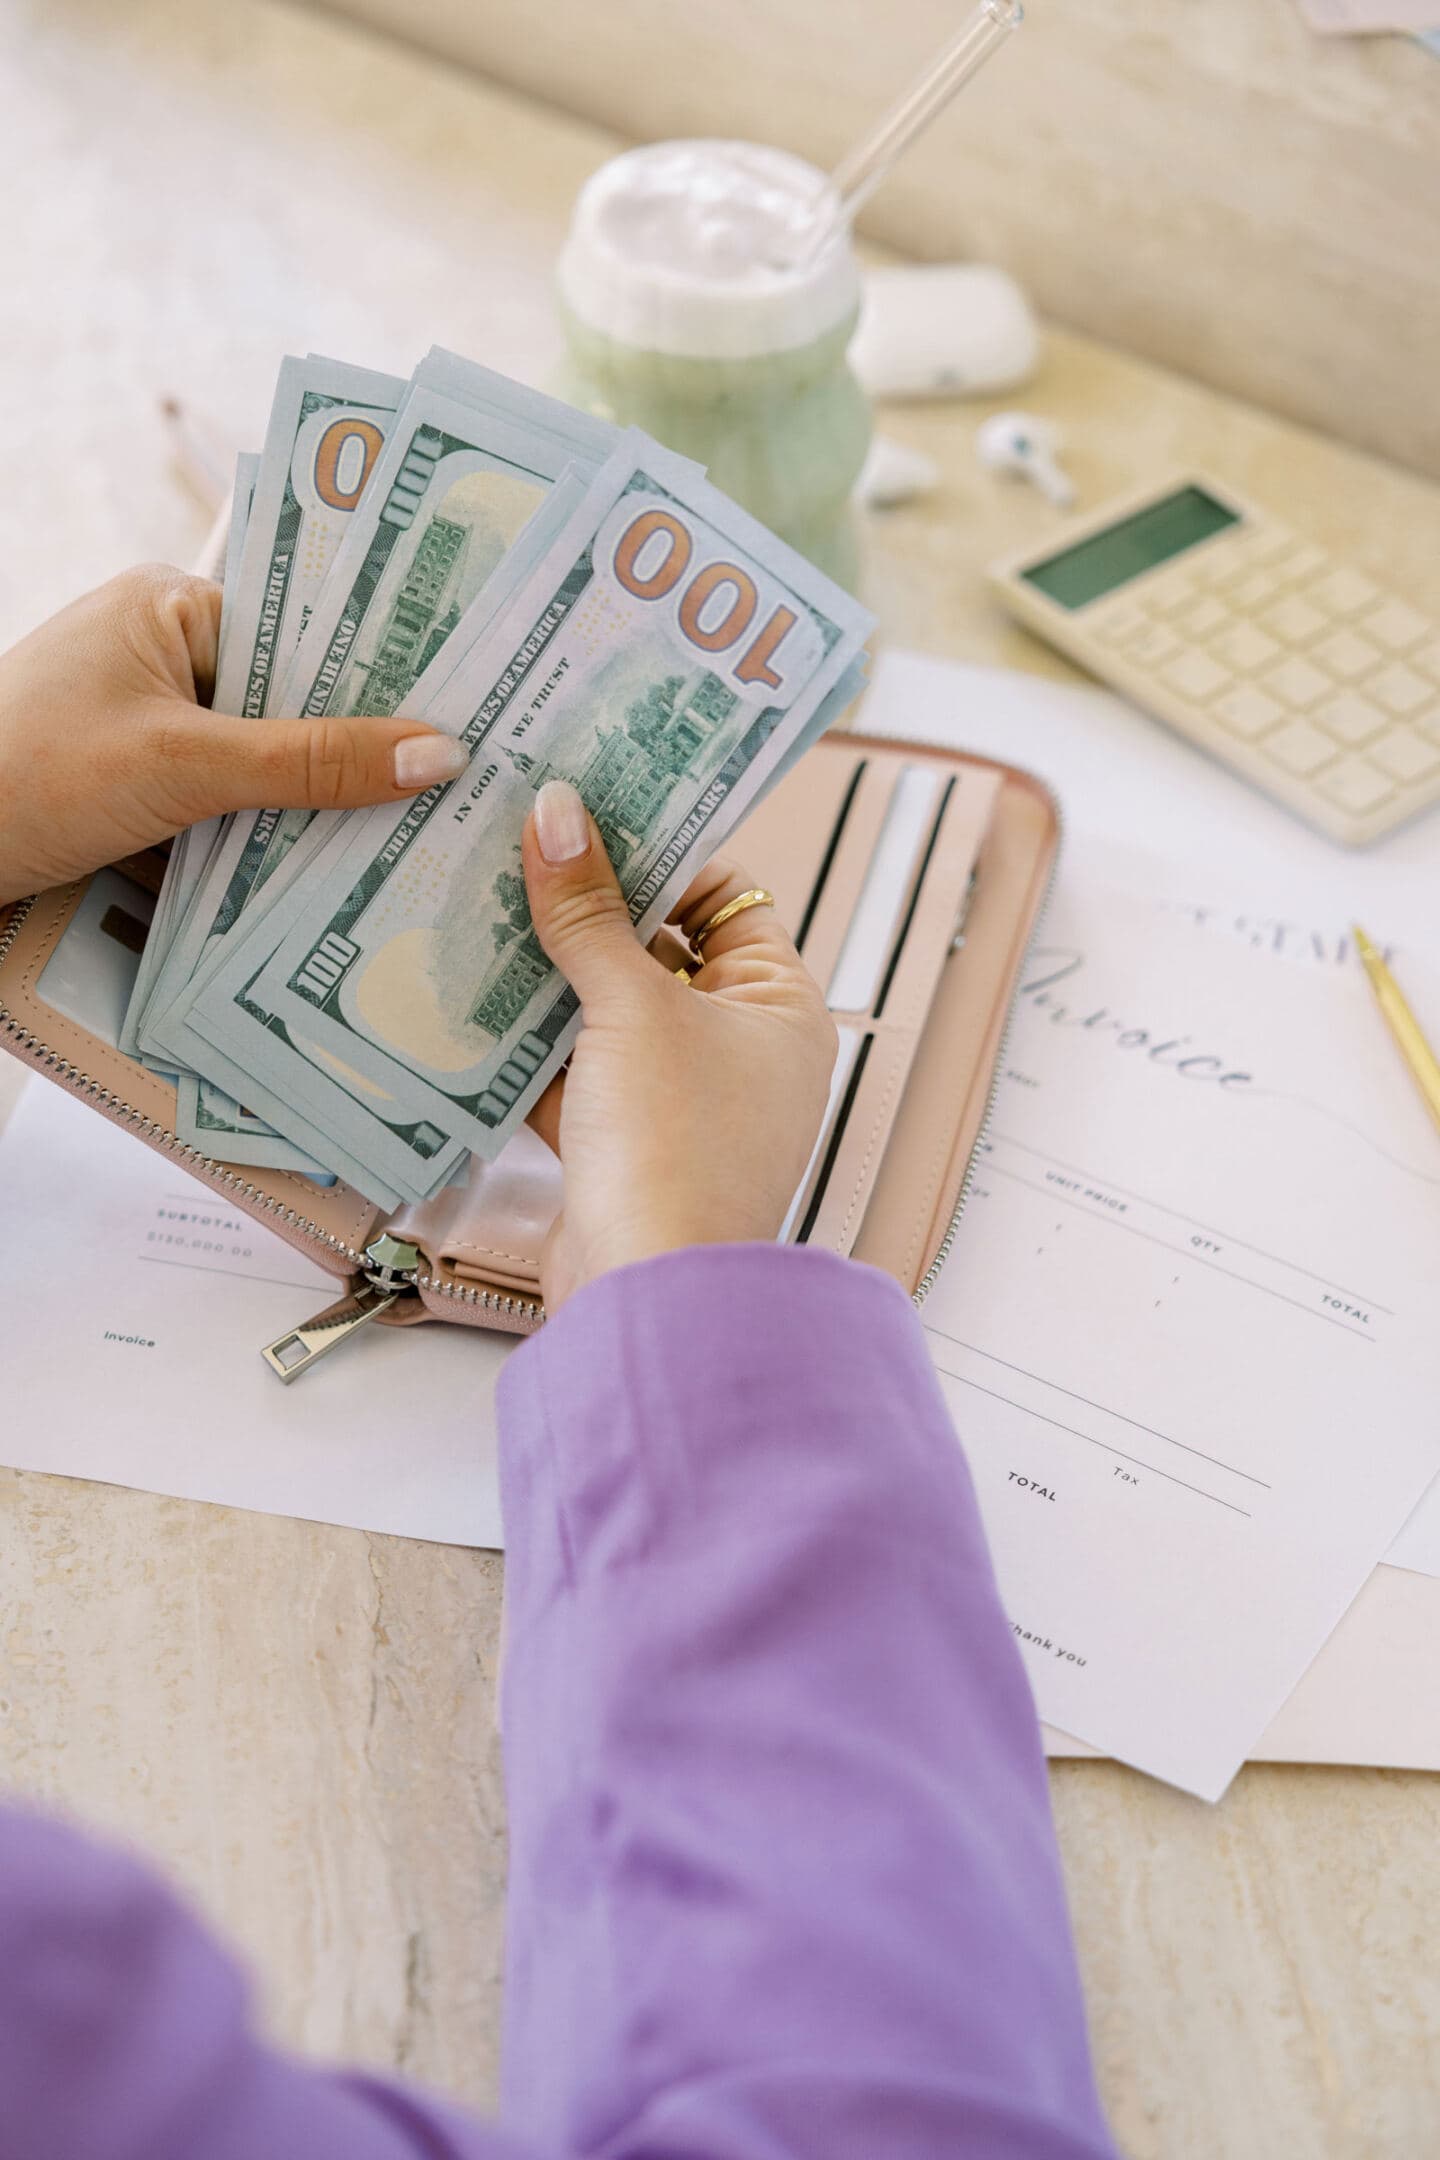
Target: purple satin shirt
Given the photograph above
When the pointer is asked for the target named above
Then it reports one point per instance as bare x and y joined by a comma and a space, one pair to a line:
783, 1879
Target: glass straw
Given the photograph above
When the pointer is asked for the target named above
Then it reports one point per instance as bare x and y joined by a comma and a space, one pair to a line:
862, 169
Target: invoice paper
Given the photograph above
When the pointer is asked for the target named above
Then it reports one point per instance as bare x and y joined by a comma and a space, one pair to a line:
1372, 1696
1328, 946
1149, 809
136, 1302
1186, 1327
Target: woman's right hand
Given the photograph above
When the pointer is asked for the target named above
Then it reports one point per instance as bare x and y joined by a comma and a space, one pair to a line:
687, 1113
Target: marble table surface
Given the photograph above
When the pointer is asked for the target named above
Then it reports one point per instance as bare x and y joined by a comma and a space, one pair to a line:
297, 1721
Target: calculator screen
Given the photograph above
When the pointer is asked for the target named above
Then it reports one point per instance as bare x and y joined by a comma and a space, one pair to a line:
1096, 566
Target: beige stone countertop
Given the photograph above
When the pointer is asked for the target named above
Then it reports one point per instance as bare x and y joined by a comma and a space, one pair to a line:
296, 1720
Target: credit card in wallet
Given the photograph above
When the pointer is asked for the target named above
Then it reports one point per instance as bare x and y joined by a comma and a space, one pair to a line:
890, 888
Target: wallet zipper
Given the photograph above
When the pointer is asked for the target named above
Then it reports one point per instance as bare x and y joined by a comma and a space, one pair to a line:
529, 1311
392, 1272
927, 1281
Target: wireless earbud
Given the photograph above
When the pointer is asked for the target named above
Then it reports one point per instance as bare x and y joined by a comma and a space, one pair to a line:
1017, 442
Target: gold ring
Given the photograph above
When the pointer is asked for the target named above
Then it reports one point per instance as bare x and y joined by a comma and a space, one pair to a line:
756, 897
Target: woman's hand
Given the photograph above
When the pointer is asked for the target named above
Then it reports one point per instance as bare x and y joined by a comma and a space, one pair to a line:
688, 1113
106, 746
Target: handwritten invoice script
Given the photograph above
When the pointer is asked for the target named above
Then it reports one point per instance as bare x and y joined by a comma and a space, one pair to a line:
1183, 1328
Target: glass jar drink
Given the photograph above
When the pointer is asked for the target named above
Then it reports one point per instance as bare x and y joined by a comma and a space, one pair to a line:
693, 308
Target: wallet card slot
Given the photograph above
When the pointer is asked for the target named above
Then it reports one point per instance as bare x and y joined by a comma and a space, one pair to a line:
943, 1107
879, 908
844, 1080
919, 908
898, 949
790, 842
827, 860
937, 901
835, 910
857, 1141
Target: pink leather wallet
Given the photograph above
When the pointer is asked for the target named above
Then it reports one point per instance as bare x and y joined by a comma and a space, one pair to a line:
912, 879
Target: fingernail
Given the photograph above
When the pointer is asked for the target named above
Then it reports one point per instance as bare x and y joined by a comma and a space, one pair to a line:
561, 826
423, 761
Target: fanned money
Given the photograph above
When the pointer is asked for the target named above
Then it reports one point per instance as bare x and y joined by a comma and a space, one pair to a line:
327, 428
192, 849
567, 602
469, 459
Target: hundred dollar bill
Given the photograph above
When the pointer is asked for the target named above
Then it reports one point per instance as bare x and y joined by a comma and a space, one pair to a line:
213, 1121
591, 439
192, 849
203, 1105
664, 656
225, 1112
567, 492
327, 432
327, 428
457, 489
458, 483
464, 470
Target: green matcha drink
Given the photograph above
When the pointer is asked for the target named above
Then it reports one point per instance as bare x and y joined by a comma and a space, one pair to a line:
689, 310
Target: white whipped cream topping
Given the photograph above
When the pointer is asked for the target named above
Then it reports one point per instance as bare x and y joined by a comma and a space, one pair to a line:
691, 248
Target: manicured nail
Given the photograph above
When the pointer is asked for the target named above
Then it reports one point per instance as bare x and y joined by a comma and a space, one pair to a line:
561, 826
423, 761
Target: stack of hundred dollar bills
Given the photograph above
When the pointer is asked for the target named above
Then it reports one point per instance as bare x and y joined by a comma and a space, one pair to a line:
361, 994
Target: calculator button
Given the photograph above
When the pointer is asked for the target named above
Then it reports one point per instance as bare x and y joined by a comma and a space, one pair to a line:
1396, 626
1246, 648
1347, 655
1400, 690
1307, 564
1295, 621
1253, 592
1221, 563
1153, 645
1248, 712
1116, 628
1344, 592
1406, 756
1355, 785
1203, 617
1196, 676
1298, 683
1242, 546
1351, 719
1169, 594
1300, 748
1272, 547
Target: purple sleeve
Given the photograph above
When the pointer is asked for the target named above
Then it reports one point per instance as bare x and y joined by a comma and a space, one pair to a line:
783, 1878
783, 1875
125, 2034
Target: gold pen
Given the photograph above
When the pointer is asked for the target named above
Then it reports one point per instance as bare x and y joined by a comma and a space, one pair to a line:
1406, 1029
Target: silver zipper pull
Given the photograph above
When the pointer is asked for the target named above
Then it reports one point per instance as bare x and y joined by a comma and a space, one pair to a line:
394, 1265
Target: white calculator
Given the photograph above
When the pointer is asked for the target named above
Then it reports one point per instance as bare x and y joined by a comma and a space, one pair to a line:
1292, 668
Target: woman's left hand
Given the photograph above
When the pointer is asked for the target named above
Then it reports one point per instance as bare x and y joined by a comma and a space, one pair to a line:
106, 745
